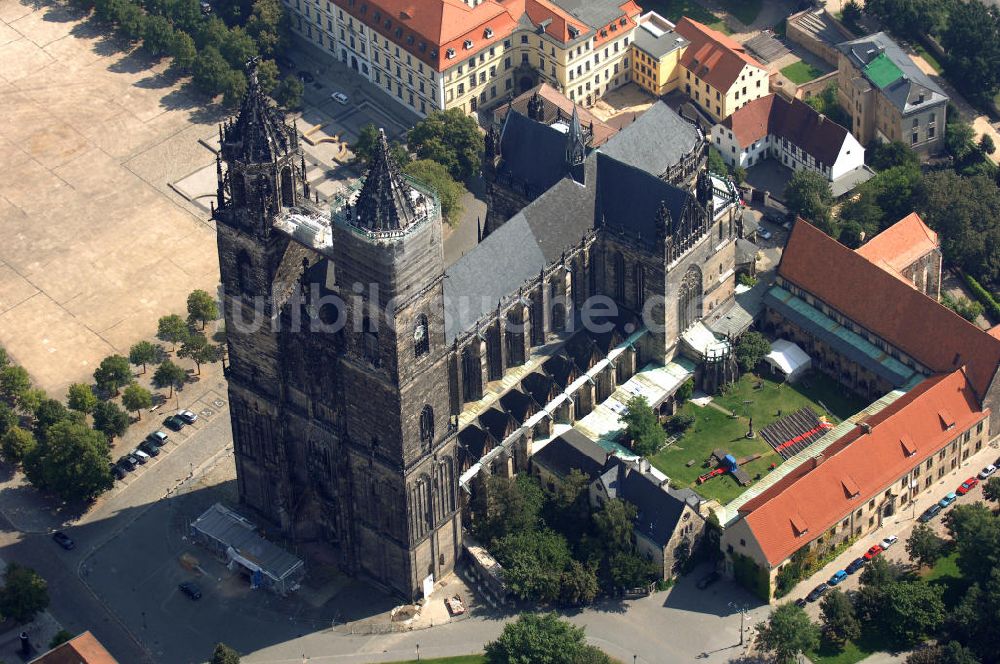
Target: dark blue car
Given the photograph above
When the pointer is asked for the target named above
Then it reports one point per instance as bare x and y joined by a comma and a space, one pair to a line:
855, 565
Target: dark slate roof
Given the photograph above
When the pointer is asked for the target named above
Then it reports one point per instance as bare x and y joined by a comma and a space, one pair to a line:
258, 134
570, 450
905, 91
628, 198
657, 140
495, 268
595, 13
473, 439
563, 215
384, 203
658, 508
532, 152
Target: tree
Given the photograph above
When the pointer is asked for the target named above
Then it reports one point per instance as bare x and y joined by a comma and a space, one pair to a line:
14, 384
169, 375
909, 610
49, 412
976, 531
986, 145
197, 348
113, 372
267, 76
716, 163
237, 48
59, 638
131, 21
143, 353
17, 443
24, 595
135, 398
533, 563
157, 35
210, 71
852, 234
851, 12
449, 192
289, 92
31, 400
971, 42
73, 462
201, 307
110, 419
172, 329
642, 426
364, 147
450, 138
951, 653
685, 391
883, 156
751, 348
223, 654
808, 195
958, 138
537, 638
567, 506
81, 398
233, 88
183, 50
924, 546
613, 526
629, 569
268, 24
968, 309
787, 632
839, 622
578, 584
991, 489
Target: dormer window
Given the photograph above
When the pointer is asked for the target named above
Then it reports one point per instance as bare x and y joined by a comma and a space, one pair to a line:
488, 33
388, 23
450, 53
409, 40
422, 46
399, 33
377, 16
623, 21
434, 53
467, 44
574, 32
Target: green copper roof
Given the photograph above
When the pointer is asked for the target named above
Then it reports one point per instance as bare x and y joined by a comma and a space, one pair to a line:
882, 71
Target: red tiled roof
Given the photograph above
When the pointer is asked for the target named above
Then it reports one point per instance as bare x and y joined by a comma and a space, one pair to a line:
712, 56
995, 331
83, 649
930, 333
793, 120
438, 24
855, 469
901, 244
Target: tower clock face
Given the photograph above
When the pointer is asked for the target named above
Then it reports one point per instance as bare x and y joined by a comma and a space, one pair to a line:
418, 333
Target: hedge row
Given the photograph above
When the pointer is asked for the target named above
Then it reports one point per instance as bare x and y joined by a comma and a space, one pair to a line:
984, 296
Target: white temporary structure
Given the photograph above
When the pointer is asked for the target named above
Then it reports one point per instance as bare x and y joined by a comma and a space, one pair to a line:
788, 359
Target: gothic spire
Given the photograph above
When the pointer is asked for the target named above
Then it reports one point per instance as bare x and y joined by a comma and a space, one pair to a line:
259, 133
385, 202
576, 148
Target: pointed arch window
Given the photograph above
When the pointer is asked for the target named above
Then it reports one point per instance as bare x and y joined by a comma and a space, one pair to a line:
369, 342
421, 337
619, 270
640, 286
287, 188
426, 428
244, 273
472, 377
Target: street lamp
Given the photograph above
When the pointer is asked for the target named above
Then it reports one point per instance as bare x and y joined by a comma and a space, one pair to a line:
418, 652
743, 614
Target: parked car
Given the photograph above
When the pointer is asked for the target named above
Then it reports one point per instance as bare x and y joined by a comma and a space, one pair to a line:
707, 580
190, 589
206, 8
139, 455
888, 541
284, 63
987, 471
149, 448
837, 577
188, 416
801, 602
128, 462
967, 486
948, 500
306, 76
117, 471
63, 540
929, 513
339, 97
817, 592
855, 565
872, 552
158, 438
174, 423
764, 233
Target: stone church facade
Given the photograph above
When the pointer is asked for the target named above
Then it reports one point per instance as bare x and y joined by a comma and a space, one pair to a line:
357, 356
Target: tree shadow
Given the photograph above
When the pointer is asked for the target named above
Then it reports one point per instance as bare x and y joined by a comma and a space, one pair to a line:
58, 13
136, 61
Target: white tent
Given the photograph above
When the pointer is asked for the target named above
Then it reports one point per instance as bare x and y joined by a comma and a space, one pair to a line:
788, 359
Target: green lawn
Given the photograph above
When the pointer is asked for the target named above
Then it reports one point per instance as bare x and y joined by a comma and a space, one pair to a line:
849, 655
674, 10
801, 72
714, 429
745, 11
929, 57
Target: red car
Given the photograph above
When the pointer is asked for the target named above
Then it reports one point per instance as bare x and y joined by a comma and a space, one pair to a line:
874, 551
967, 486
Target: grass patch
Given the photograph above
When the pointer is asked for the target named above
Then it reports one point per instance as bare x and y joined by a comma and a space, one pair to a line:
674, 10
461, 659
827, 654
801, 72
929, 57
714, 429
744, 11
945, 573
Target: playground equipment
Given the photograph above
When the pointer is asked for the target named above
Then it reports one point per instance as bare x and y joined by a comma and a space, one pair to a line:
727, 463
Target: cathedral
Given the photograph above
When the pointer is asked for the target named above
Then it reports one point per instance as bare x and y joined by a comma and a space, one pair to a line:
366, 375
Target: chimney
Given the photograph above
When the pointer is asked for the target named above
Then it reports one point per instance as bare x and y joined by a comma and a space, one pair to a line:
865, 427
817, 460
644, 465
